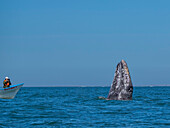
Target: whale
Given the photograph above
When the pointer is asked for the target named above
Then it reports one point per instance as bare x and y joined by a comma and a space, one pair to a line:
121, 87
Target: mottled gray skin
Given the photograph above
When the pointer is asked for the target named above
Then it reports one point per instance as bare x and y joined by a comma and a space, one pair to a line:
121, 88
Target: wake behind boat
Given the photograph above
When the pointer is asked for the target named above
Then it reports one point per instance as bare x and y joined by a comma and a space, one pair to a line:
10, 92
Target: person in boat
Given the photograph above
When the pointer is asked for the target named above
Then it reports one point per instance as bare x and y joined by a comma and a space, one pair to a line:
6, 82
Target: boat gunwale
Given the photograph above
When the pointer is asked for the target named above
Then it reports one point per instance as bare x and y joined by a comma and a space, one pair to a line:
11, 86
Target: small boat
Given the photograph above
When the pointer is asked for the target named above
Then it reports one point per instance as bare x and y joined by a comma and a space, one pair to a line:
10, 92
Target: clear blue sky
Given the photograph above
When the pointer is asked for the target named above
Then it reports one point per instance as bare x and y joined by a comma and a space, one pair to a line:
80, 42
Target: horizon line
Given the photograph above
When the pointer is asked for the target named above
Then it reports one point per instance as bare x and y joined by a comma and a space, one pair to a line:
165, 85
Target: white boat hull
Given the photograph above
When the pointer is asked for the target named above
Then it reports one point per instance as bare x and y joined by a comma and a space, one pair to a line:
10, 92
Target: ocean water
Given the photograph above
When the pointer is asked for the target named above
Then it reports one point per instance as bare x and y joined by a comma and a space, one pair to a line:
82, 107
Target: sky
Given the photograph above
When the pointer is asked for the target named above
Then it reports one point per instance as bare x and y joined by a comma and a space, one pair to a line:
80, 42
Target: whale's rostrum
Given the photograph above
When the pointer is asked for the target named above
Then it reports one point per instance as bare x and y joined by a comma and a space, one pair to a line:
121, 88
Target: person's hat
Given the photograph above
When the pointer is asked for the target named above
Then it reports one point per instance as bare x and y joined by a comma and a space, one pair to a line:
6, 77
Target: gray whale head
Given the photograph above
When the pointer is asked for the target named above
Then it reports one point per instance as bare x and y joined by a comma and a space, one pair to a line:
121, 88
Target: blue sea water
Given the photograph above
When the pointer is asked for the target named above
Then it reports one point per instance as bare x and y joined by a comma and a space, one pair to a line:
82, 107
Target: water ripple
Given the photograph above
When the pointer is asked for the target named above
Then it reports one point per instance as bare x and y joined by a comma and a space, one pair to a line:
81, 107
